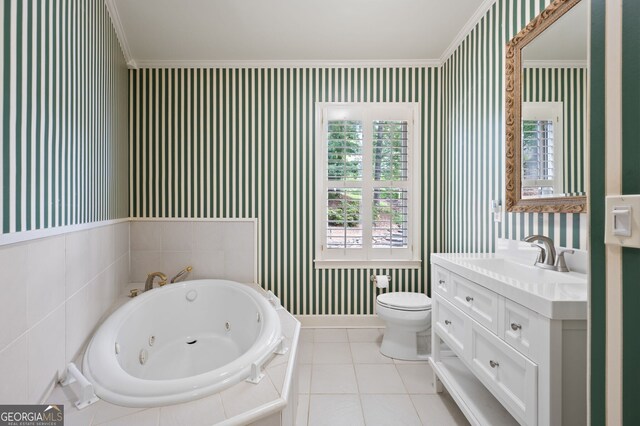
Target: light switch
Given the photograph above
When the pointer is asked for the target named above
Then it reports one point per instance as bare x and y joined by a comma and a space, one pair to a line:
622, 221
622, 225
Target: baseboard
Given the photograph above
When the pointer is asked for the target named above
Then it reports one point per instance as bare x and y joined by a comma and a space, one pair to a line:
340, 321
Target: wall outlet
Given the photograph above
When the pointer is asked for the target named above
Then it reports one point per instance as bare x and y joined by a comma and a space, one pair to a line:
496, 209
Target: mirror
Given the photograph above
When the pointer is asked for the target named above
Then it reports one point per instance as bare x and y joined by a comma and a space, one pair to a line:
547, 111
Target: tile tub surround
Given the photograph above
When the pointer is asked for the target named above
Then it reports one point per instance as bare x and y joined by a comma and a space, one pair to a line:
241, 404
54, 292
216, 248
362, 387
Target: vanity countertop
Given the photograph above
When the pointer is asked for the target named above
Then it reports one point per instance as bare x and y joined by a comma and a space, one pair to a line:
555, 295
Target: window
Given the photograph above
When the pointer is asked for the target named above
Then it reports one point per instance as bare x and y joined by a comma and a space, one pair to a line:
542, 149
367, 185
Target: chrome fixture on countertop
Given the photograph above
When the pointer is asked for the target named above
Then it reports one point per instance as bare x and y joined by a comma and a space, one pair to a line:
547, 257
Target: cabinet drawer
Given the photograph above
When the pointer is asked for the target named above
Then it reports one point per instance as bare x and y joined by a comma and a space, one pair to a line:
441, 282
478, 302
452, 325
521, 328
510, 376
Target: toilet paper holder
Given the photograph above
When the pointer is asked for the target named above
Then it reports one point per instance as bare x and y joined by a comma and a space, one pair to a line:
375, 280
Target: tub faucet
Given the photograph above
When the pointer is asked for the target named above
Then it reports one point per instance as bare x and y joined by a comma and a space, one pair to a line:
181, 275
148, 285
547, 257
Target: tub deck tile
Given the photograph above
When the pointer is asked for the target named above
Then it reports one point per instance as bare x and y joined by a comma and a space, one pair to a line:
246, 396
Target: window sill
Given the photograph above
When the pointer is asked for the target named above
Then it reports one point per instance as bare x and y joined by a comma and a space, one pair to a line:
367, 264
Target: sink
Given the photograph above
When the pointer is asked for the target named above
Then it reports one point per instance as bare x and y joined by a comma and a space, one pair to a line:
523, 273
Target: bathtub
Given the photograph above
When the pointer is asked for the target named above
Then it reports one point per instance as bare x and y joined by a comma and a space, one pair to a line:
182, 342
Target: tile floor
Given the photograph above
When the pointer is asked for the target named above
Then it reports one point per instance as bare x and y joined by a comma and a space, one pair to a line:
345, 380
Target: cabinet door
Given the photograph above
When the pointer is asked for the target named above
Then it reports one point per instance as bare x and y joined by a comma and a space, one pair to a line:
521, 328
442, 282
478, 302
510, 376
451, 325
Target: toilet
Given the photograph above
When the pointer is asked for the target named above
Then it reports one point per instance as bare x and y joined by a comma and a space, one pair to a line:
407, 317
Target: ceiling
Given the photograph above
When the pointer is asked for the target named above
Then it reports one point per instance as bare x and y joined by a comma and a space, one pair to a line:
573, 31
171, 32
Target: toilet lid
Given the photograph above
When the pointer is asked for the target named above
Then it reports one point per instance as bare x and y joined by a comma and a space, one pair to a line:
405, 301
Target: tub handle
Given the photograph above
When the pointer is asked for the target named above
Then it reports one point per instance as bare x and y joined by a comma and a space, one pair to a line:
86, 395
256, 374
281, 349
273, 299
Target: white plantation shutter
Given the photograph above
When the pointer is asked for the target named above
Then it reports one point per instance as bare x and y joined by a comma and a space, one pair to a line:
344, 218
537, 157
344, 168
390, 218
344, 153
541, 148
390, 168
366, 191
390, 150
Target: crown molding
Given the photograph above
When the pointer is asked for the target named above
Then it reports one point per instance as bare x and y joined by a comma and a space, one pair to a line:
289, 63
122, 38
555, 64
333, 63
466, 30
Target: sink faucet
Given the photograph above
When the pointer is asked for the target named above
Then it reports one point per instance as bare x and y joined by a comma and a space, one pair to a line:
148, 285
547, 257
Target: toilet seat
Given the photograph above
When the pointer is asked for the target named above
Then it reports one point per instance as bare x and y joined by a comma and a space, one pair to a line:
405, 301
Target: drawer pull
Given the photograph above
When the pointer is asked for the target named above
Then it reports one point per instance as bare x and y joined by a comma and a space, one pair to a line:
447, 322
441, 282
493, 364
469, 299
515, 327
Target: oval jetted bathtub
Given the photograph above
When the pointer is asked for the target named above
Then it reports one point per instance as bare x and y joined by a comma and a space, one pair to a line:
181, 342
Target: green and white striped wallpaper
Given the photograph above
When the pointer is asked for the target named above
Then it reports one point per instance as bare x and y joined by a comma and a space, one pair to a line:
473, 140
569, 86
240, 142
63, 115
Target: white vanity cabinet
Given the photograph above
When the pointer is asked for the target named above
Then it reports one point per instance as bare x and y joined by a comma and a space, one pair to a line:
503, 362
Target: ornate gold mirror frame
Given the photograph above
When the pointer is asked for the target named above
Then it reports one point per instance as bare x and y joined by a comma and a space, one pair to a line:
513, 65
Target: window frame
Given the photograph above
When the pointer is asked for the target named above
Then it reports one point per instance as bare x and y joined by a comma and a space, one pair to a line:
368, 257
549, 111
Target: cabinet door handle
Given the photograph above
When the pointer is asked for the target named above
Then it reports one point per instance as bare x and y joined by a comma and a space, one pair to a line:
493, 364
515, 327
469, 299
441, 282
447, 322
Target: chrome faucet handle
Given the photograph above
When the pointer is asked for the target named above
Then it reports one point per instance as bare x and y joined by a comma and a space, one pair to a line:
541, 254
561, 265
550, 250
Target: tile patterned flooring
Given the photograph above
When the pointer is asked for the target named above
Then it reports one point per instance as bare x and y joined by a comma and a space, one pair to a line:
345, 380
